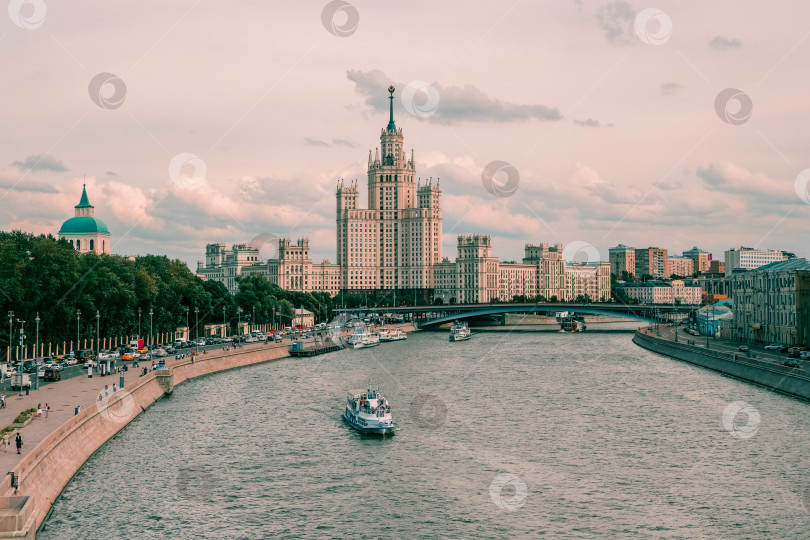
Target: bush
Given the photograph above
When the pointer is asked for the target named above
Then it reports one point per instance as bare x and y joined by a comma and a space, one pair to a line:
23, 416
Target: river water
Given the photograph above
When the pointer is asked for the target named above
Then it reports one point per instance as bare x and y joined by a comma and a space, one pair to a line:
505, 435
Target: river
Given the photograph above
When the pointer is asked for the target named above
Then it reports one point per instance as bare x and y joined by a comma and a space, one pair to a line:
505, 435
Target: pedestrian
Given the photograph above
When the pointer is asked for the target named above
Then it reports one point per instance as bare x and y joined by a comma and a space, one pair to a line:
6, 442
2, 401
99, 397
19, 443
39, 411
47, 410
76, 412
114, 388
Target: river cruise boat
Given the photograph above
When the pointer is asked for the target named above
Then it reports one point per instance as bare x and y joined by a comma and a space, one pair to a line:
460, 331
361, 338
368, 411
392, 335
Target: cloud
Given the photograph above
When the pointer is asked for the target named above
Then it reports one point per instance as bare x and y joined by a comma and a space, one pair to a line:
590, 122
13, 182
40, 162
310, 141
343, 142
670, 88
111, 173
456, 104
733, 179
315, 142
616, 19
722, 42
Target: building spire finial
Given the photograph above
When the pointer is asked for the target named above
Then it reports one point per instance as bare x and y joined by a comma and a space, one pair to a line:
391, 125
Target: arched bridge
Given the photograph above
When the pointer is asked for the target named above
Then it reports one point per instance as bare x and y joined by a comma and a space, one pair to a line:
432, 316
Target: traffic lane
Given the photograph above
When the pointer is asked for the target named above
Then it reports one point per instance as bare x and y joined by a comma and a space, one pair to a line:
731, 347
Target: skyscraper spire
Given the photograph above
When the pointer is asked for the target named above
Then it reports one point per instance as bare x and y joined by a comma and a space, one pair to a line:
391, 125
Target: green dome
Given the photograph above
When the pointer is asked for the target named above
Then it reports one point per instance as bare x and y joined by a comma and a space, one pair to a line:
83, 225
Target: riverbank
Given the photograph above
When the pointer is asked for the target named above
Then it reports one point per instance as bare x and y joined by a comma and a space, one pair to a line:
760, 371
67, 440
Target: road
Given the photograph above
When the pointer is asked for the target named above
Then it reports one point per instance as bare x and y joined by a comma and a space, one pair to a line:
726, 346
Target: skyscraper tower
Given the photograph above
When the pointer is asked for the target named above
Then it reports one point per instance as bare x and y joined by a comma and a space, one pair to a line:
394, 243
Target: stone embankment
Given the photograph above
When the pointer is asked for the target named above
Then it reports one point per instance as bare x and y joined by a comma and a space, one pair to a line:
768, 374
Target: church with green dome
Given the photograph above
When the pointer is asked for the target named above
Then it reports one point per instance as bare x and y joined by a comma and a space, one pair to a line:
85, 232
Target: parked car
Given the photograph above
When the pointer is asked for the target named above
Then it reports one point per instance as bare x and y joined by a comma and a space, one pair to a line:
743, 348
792, 362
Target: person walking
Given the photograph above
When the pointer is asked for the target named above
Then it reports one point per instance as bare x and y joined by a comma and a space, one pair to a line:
47, 410
6, 442
19, 443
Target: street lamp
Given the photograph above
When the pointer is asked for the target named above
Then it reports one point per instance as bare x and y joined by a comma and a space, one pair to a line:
98, 333
253, 318
36, 354
10, 334
22, 348
151, 340
78, 317
197, 324
139, 323
224, 324
239, 326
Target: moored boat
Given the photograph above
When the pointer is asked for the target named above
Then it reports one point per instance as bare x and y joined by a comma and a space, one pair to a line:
393, 335
368, 411
361, 338
460, 331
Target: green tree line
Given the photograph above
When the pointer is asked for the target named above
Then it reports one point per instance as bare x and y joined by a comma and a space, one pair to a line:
40, 275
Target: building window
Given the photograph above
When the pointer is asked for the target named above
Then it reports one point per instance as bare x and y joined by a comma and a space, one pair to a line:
92, 242
78, 244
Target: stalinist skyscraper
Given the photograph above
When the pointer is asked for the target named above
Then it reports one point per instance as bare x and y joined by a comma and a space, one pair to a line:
394, 243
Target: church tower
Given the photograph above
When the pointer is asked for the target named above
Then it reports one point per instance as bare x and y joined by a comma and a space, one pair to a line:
84, 231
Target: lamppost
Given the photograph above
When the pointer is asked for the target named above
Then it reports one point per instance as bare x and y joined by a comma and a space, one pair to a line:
36, 354
10, 334
98, 334
239, 326
22, 348
187, 328
151, 340
197, 323
253, 318
78, 317
224, 325
139, 323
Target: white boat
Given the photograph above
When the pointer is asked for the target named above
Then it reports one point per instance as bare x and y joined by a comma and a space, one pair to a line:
362, 339
460, 331
368, 411
393, 335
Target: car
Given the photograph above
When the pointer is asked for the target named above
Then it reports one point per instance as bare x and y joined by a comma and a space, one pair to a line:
743, 348
773, 347
805, 355
795, 353
200, 343
142, 350
129, 355
62, 365
52, 374
277, 338
784, 349
170, 350
41, 372
791, 362
85, 355
142, 356
159, 353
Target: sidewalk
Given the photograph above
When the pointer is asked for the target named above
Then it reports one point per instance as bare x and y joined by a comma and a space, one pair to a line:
63, 397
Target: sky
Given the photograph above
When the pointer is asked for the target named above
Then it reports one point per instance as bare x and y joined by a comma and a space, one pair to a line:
668, 124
